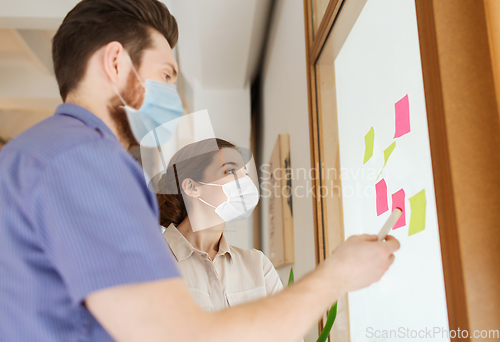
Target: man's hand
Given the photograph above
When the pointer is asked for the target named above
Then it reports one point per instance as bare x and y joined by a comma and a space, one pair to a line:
360, 261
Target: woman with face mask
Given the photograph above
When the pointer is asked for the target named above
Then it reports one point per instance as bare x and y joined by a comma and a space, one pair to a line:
202, 190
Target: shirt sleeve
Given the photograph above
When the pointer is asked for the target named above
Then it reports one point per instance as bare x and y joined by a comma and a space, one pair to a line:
271, 277
98, 222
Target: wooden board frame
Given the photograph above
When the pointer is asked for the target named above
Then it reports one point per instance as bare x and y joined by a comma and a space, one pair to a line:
455, 53
463, 122
452, 268
281, 237
314, 44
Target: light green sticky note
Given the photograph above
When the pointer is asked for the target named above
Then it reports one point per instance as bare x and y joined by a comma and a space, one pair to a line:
369, 141
417, 220
387, 153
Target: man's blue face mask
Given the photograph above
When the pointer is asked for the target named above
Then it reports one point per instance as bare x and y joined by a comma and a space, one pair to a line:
161, 105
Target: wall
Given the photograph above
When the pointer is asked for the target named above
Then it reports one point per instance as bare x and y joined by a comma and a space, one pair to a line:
285, 111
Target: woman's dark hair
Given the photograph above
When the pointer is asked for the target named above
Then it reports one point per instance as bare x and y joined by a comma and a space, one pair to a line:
94, 23
189, 162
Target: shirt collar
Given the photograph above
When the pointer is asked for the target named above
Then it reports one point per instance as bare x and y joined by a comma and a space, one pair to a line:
84, 116
182, 248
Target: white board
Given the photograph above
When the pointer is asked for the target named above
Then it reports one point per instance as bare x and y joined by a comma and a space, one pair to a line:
378, 65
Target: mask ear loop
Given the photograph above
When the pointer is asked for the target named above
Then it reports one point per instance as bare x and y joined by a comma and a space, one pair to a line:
135, 71
136, 74
207, 203
210, 184
119, 96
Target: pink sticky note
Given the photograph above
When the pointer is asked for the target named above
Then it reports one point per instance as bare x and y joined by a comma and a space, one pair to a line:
381, 194
402, 117
398, 201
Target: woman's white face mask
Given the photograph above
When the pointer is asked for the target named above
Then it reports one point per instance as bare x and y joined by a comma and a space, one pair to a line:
242, 198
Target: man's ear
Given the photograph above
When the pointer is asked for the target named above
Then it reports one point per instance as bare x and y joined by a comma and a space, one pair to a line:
115, 62
189, 187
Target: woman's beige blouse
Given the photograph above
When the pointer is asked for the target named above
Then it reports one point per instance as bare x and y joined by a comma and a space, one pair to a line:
235, 275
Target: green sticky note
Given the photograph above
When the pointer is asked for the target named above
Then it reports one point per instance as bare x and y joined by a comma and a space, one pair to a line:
417, 220
387, 153
369, 141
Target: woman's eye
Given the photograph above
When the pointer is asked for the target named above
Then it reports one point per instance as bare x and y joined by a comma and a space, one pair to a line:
230, 172
167, 77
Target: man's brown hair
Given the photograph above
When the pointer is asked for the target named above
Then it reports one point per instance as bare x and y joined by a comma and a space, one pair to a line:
94, 23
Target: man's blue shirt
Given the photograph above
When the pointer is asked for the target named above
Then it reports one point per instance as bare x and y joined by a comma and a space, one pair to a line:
76, 217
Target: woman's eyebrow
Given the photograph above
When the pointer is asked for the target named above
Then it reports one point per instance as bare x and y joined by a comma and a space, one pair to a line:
232, 163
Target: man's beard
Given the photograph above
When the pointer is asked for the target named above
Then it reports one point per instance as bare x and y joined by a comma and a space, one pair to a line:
133, 96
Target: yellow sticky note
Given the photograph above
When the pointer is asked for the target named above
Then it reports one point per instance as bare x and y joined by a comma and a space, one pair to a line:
387, 153
417, 220
369, 141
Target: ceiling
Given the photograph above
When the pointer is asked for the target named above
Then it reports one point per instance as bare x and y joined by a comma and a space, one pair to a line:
220, 46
